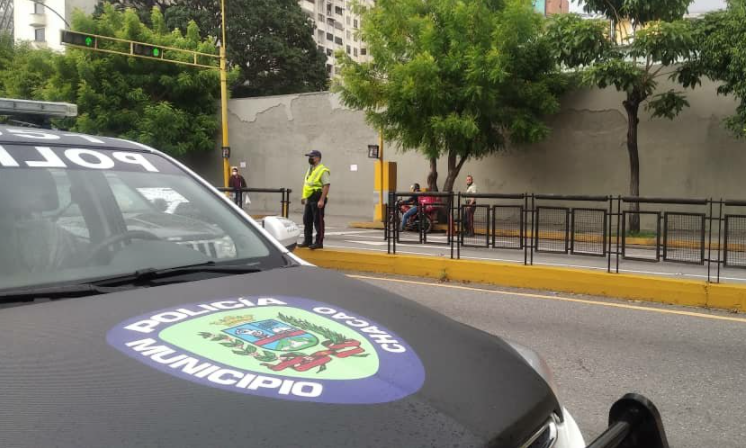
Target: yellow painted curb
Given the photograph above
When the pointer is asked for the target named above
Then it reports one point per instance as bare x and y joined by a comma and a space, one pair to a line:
626, 286
366, 225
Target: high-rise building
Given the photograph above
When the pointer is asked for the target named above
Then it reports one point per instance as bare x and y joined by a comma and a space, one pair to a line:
549, 7
40, 21
6, 16
337, 29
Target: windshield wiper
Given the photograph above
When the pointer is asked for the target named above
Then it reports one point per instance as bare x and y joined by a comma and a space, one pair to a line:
140, 277
56, 292
150, 274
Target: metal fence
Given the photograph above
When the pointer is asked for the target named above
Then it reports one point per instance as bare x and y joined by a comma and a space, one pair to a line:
706, 232
283, 193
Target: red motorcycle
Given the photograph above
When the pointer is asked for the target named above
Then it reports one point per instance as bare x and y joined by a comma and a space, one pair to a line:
429, 214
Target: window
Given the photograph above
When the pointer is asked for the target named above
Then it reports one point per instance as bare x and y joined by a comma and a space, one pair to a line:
355, 23
50, 230
348, 49
329, 69
328, 9
354, 52
320, 33
321, 17
40, 35
363, 51
330, 21
348, 20
349, 36
321, 48
38, 8
354, 37
338, 40
330, 37
329, 52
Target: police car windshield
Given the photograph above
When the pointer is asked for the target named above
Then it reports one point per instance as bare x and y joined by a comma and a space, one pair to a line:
72, 215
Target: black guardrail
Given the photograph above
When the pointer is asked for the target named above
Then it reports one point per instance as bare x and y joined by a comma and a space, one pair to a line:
283, 192
651, 229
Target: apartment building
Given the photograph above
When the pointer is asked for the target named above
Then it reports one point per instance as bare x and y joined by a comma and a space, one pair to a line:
337, 29
6, 16
549, 7
40, 21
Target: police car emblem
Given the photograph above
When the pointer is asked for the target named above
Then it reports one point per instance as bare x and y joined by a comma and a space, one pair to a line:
282, 347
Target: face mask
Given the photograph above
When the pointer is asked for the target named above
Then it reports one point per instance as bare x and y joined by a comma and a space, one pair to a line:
310, 160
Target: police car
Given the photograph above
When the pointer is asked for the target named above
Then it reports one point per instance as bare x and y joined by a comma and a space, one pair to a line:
161, 343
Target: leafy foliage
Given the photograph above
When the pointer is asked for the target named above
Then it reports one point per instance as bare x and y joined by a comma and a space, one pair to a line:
23, 70
455, 78
171, 107
632, 64
722, 57
640, 11
667, 105
271, 42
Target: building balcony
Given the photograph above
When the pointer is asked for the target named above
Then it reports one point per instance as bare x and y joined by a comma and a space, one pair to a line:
308, 7
38, 20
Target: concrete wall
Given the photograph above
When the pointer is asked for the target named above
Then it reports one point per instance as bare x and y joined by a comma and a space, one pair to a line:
692, 156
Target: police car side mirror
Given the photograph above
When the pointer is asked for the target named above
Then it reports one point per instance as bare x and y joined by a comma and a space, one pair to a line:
283, 230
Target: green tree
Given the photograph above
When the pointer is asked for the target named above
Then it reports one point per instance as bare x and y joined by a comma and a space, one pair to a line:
270, 41
453, 78
171, 107
722, 57
631, 62
23, 70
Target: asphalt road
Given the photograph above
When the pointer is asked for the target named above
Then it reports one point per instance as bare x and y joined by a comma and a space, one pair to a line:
691, 363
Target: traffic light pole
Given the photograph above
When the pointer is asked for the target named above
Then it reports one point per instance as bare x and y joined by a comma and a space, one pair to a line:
226, 150
87, 41
224, 116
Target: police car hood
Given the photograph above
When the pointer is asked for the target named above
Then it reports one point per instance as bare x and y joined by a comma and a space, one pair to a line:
181, 365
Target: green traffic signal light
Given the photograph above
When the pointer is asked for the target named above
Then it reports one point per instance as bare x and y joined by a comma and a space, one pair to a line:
80, 39
147, 50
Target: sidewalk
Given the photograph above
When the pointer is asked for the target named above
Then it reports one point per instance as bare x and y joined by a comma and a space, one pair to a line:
342, 234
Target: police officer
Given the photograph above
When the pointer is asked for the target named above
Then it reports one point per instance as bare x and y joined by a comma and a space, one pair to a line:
315, 192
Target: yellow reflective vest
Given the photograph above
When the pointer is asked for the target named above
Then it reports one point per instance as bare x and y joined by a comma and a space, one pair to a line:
313, 180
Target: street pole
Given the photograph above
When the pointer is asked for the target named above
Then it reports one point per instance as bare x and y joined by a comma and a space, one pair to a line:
224, 101
381, 206
53, 10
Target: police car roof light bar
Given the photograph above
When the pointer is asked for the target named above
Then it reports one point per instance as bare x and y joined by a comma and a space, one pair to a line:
9, 106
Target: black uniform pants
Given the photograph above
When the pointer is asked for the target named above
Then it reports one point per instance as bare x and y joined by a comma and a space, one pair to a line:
313, 216
238, 197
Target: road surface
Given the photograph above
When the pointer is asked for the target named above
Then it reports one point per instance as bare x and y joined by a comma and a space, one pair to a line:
690, 362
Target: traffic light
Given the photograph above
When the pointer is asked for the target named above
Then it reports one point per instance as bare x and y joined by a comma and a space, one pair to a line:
79, 39
147, 50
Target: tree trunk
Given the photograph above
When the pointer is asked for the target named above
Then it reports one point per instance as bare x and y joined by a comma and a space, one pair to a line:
454, 168
432, 178
632, 106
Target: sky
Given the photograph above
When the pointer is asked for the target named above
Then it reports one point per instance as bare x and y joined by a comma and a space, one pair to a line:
697, 5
